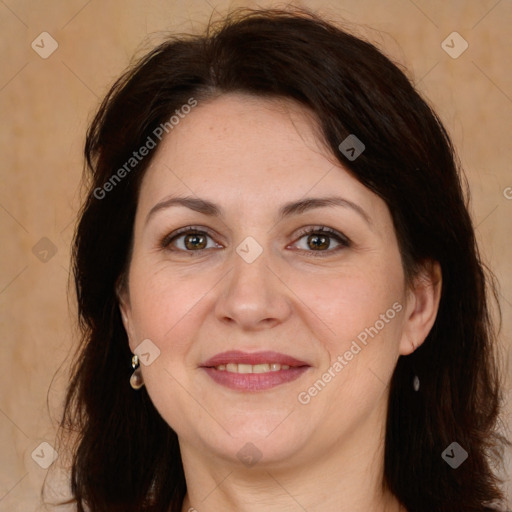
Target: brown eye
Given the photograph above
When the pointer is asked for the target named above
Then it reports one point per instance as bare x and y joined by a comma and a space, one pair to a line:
318, 242
195, 241
189, 240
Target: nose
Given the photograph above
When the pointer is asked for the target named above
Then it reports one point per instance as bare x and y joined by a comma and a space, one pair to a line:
253, 296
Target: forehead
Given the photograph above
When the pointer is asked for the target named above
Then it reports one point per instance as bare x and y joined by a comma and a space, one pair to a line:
244, 146
238, 127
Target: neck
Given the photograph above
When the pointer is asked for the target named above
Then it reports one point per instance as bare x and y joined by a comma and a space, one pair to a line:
347, 478
268, 493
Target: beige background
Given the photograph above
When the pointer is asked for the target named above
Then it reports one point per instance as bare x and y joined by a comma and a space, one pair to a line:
46, 105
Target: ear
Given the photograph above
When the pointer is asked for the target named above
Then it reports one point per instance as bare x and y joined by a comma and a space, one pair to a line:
123, 298
423, 299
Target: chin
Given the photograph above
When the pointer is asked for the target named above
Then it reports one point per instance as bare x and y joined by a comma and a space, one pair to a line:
253, 442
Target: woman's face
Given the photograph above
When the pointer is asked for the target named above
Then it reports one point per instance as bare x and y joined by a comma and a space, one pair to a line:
270, 285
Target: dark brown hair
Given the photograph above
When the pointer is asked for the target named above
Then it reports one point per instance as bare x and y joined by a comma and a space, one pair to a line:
126, 457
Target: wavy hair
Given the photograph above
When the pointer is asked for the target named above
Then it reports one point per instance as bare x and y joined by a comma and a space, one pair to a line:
126, 458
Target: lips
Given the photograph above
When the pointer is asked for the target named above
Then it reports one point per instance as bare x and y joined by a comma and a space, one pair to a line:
253, 371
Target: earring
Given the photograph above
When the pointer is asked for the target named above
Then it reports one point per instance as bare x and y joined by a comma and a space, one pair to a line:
416, 379
136, 380
416, 383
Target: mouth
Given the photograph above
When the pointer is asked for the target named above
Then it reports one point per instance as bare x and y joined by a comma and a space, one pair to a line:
256, 371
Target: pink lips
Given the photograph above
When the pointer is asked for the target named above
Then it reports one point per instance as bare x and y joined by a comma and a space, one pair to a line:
253, 381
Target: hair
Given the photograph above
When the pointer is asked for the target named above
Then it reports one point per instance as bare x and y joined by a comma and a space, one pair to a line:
126, 458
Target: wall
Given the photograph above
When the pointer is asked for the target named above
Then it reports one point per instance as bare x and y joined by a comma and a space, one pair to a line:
46, 104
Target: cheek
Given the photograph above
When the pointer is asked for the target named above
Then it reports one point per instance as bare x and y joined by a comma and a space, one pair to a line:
360, 314
163, 302
166, 309
346, 304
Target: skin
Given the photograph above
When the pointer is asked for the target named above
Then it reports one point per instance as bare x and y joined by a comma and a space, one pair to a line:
250, 156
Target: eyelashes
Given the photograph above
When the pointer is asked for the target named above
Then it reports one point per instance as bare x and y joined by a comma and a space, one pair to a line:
322, 236
182, 233
196, 240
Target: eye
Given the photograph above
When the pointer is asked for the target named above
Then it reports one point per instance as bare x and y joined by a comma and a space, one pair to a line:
321, 240
189, 239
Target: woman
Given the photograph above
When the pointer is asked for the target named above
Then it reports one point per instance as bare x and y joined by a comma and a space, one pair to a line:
276, 254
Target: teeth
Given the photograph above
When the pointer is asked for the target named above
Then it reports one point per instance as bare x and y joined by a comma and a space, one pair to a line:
244, 368
252, 368
261, 368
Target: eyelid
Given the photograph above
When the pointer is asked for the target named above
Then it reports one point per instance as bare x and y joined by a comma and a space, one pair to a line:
322, 229
167, 239
343, 241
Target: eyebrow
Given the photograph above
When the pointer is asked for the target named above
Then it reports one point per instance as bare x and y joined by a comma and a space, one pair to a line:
288, 209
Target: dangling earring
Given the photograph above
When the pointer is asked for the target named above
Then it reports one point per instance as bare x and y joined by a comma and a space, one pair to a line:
136, 380
416, 383
416, 379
